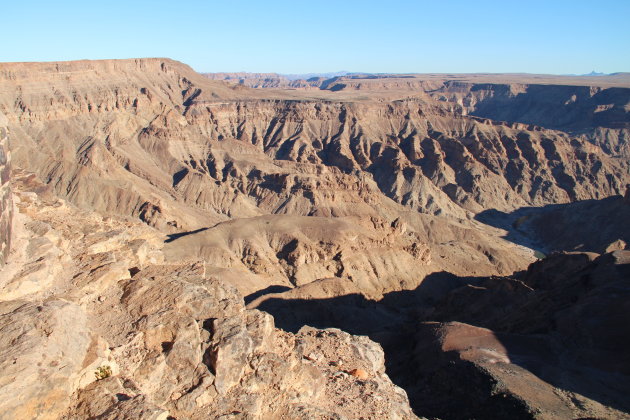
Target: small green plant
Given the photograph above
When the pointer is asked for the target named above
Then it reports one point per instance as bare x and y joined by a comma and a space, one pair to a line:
103, 372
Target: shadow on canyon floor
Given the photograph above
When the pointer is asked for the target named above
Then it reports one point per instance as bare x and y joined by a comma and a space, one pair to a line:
174, 236
587, 225
456, 389
276, 288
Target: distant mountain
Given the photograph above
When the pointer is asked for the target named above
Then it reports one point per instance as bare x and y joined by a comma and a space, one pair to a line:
307, 76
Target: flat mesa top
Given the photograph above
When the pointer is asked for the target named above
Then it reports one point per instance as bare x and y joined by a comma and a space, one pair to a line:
621, 79
86, 75
393, 79
610, 80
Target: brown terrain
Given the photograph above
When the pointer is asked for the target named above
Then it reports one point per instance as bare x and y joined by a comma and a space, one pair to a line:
187, 246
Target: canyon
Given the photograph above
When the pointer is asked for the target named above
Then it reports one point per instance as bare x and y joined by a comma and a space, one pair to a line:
185, 245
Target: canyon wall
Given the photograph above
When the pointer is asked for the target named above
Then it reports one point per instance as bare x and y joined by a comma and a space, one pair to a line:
190, 248
6, 199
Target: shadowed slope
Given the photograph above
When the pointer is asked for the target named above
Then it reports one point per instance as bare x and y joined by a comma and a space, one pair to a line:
550, 345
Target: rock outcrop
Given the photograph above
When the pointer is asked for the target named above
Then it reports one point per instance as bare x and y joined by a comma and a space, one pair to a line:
116, 333
550, 347
546, 343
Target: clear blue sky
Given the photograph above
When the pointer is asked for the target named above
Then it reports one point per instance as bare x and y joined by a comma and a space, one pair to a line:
552, 36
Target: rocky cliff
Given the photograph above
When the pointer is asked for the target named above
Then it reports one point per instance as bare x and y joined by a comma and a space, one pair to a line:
95, 324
